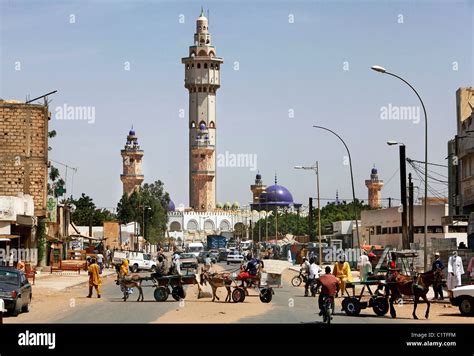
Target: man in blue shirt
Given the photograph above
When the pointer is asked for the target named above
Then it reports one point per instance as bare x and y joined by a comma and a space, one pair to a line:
437, 285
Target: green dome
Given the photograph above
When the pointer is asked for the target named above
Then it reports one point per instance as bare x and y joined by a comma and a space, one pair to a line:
219, 205
235, 205
227, 205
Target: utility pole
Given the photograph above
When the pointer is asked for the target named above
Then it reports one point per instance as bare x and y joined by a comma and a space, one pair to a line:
411, 216
403, 195
310, 220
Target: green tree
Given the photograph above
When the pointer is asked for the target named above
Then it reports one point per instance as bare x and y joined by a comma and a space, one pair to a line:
148, 205
87, 213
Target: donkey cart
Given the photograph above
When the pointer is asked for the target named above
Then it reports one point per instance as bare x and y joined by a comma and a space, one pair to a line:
261, 282
166, 285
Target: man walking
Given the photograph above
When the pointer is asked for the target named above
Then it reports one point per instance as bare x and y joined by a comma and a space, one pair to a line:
437, 285
94, 278
455, 270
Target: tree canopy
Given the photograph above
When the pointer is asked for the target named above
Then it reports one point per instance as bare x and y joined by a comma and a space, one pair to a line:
146, 206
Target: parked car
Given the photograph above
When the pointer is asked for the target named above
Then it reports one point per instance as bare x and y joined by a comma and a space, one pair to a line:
463, 297
202, 255
137, 261
214, 254
15, 290
188, 261
234, 257
222, 256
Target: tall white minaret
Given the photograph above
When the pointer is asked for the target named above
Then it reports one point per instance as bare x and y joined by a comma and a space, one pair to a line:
202, 79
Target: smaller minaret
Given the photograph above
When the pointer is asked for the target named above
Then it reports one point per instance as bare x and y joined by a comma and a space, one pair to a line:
132, 176
374, 186
337, 198
257, 188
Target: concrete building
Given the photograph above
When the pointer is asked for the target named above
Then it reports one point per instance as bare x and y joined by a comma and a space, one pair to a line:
374, 185
461, 156
24, 152
16, 222
132, 155
383, 226
202, 79
186, 225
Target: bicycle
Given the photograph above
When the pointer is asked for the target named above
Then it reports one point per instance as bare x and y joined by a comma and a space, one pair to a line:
300, 278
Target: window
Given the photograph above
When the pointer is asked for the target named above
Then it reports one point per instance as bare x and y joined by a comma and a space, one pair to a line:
212, 65
378, 230
205, 65
199, 65
217, 66
193, 124
200, 90
384, 230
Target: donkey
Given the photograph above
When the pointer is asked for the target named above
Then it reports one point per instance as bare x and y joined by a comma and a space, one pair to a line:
217, 280
126, 283
402, 284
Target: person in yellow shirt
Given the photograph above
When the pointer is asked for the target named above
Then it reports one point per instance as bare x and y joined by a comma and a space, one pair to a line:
124, 268
94, 278
342, 271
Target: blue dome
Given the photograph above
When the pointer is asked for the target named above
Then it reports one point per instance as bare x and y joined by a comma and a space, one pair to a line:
131, 133
171, 206
276, 195
202, 126
258, 176
374, 170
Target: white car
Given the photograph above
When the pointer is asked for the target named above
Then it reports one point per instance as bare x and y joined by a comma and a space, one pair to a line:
234, 257
137, 261
464, 298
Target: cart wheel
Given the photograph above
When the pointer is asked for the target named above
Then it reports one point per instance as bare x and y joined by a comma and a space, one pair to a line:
352, 306
296, 281
178, 293
266, 295
238, 295
161, 294
380, 306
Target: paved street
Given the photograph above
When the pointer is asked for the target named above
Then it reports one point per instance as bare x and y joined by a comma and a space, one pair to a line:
70, 305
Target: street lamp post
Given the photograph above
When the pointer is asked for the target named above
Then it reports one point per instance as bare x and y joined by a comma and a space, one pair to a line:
315, 168
425, 202
352, 178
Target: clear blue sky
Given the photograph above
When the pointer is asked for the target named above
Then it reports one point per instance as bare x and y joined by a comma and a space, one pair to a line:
282, 66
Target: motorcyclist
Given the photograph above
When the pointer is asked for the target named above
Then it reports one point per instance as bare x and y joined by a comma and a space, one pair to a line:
328, 285
314, 272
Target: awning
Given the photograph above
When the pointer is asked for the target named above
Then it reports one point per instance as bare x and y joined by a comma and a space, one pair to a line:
75, 237
9, 237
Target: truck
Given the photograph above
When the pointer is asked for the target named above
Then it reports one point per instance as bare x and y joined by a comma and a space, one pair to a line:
216, 242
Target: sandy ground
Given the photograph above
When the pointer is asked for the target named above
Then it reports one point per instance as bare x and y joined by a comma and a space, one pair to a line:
49, 303
440, 312
194, 310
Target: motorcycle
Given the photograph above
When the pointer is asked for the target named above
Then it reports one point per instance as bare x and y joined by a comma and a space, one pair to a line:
328, 308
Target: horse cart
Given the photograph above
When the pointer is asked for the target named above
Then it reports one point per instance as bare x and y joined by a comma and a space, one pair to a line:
352, 304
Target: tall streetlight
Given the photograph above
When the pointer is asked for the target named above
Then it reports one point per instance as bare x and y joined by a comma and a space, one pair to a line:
354, 203
403, 192
315, 168
425, 202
